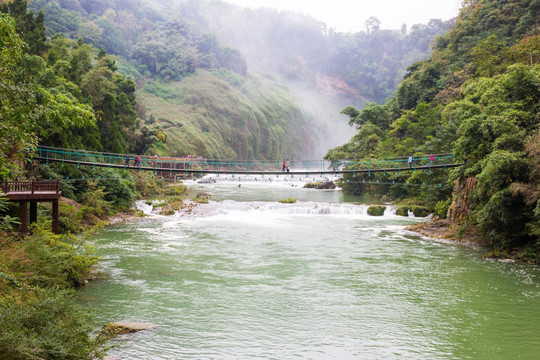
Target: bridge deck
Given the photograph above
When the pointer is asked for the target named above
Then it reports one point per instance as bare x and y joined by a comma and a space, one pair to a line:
240, 171
39, 196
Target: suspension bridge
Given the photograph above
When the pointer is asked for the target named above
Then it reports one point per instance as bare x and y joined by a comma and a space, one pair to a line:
190, 166
34, 191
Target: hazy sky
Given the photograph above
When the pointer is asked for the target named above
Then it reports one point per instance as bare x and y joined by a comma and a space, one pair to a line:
350, 15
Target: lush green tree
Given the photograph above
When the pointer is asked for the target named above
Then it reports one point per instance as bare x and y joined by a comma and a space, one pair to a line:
59, 19
489, 56
17, 115
30, 28
527, 51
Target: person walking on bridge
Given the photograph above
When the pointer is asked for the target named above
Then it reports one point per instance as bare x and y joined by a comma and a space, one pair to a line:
431, 158
126, 163
410, 161
288, 165
283, 169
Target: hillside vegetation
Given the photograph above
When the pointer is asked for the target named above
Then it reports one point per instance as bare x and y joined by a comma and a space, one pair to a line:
161, 44
220, 117
477, 96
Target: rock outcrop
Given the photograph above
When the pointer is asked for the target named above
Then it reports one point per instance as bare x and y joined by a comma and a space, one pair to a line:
114, 329
327, 185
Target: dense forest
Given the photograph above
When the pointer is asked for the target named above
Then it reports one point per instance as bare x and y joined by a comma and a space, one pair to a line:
478, 97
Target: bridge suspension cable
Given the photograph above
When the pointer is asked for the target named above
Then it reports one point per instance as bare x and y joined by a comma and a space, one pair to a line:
189, 165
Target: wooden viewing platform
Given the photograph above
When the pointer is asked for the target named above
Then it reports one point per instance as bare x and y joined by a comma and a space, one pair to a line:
33, 191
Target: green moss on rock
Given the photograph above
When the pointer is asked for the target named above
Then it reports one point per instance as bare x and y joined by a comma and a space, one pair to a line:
376, 210
288, 201
402, 211
420, 211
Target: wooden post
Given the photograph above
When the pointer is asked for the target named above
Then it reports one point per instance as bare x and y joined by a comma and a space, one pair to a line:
23, 218
33, 212
55, 217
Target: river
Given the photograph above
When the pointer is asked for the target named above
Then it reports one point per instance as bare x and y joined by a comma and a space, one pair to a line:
246, 277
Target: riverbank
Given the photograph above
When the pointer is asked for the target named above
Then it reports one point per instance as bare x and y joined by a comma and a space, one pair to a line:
444, 229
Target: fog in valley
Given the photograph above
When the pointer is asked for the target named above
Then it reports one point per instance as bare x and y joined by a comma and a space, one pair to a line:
324, 70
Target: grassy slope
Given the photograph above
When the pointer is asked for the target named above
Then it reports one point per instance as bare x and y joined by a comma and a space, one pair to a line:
254, 119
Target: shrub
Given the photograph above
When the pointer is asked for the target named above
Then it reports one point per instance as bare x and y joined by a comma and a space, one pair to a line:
146, 188
176, 189
46, 324
502, 220
202, 198
94, 199
497, 254
120, 192
402, 211
170, 206
376, 210
7, 223
39, 312
441, 208
69, 219
63, 261
420, 211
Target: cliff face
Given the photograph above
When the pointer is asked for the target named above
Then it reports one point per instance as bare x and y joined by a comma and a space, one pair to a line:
456, 226
463, 191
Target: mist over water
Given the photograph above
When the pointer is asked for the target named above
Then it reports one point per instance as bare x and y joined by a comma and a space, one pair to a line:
246, 277
325, 110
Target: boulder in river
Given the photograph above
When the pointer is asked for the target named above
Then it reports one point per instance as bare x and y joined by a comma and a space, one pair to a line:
123, 327
327, 185
402, 211
376, 210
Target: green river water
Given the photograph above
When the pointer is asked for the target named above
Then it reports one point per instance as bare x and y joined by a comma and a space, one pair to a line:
245, 277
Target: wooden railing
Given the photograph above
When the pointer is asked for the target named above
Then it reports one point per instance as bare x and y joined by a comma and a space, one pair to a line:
31, 186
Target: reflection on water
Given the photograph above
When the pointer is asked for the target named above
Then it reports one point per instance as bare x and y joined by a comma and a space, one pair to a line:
246, 277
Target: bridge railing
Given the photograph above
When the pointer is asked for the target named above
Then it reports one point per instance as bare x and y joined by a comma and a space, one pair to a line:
397, 162
93, 157
192, 164
166, 163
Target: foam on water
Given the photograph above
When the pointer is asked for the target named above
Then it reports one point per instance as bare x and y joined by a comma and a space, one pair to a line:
232, 209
